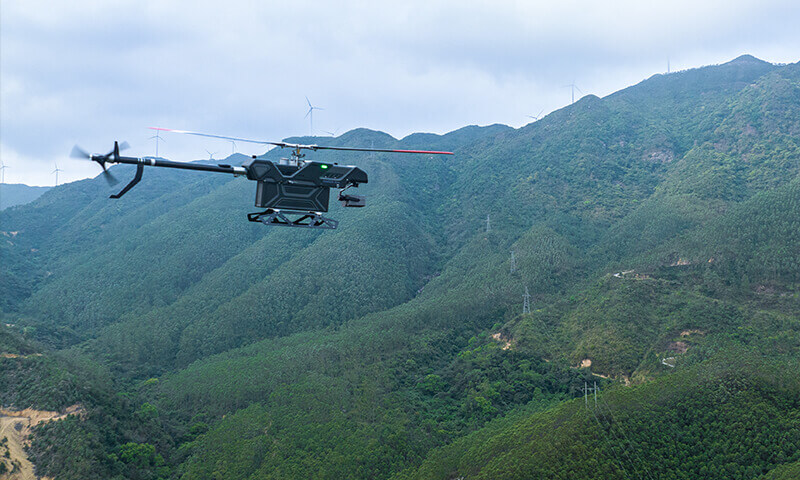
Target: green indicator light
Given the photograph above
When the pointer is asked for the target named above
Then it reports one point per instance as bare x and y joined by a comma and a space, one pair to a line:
323, 167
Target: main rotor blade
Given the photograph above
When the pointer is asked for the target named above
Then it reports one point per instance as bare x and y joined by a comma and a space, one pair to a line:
300, 146
223, 137
355, 149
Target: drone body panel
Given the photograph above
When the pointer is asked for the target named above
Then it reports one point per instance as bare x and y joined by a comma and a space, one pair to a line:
304, 187
292, 197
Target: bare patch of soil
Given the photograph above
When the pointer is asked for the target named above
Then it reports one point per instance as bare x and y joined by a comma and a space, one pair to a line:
507, 342
15, 427
686, 333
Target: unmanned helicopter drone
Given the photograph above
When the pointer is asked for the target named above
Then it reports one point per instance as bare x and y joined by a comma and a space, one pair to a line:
294, 191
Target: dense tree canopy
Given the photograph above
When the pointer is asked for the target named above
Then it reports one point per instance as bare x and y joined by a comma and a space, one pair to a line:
656, 230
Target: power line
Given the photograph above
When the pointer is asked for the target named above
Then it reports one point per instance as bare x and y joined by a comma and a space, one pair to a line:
637, 466
615, 457
625, 435
544, 327
593, 391
526, 302
617, 439
586, 390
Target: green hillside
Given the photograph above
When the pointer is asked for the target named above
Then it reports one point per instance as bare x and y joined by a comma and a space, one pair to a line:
721, 419
656, 230
13, 194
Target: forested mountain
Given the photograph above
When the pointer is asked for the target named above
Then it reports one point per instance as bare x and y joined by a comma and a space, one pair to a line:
12, 194
657, 231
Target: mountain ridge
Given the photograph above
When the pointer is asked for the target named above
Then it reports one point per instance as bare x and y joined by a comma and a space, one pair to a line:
13, 194
370, 351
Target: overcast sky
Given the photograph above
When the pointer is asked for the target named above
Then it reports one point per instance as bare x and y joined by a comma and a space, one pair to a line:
94, 72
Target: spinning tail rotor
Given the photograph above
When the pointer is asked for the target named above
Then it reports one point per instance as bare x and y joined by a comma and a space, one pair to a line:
110, 157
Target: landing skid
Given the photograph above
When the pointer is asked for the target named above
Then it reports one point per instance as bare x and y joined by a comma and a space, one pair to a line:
288, 218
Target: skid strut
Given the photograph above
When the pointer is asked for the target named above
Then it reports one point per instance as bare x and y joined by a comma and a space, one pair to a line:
286, 218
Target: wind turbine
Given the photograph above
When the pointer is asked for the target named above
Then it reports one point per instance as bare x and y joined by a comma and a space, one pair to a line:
574, 87
56, 172
211, 155
535, 118
158, 138
233, 147
310, 114
3, 172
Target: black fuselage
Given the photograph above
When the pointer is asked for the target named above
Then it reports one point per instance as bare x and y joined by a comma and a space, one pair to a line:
305, 187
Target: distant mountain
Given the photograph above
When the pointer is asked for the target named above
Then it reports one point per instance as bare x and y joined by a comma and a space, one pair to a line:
656, 231
19, 194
